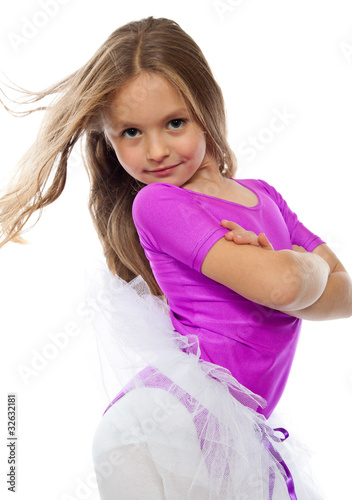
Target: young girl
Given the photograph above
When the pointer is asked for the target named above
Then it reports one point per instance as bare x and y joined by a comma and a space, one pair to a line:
209, 276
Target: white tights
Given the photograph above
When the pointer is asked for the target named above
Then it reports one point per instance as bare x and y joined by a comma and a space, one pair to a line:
144, 424
146, 447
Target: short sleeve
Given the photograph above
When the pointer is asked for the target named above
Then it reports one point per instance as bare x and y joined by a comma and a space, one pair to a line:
300, 235
170, 220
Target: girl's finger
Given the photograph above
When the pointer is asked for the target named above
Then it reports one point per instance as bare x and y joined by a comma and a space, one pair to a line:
243, 237
264, 242
230, 225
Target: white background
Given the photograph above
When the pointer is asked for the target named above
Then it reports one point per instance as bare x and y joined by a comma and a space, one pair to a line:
268, 57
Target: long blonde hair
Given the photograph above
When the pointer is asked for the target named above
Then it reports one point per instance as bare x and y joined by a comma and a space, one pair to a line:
151, 45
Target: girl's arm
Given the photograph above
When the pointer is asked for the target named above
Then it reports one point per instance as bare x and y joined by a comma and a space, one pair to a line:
336, 300
283, 280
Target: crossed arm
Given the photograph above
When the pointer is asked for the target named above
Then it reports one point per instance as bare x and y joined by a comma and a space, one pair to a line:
305, 285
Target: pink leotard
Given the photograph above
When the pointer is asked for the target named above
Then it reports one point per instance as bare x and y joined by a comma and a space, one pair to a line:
177, 228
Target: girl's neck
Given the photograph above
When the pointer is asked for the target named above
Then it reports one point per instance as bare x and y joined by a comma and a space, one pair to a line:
207, 177
221, 187
210, 185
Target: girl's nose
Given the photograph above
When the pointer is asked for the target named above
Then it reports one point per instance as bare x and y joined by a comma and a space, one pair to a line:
157, 148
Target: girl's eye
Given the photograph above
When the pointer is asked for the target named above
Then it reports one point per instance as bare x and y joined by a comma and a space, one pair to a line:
176, 124
130, 133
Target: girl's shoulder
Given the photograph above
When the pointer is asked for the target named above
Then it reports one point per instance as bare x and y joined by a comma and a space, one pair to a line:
158, 187
260, 185
157, 197
159, 191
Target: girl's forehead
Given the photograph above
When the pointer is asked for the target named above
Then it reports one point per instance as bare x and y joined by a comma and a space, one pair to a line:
144, 86
145, 95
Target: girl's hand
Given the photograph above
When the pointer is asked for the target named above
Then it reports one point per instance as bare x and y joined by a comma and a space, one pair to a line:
242, 237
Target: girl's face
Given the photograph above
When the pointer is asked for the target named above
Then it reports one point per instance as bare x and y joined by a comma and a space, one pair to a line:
153, 134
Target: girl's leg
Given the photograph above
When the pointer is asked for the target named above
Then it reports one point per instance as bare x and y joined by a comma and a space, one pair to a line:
146, 447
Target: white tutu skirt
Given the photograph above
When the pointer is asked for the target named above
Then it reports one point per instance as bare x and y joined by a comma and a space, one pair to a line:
178, 427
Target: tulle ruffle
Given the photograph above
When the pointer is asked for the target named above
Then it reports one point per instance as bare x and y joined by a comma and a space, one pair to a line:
184, 427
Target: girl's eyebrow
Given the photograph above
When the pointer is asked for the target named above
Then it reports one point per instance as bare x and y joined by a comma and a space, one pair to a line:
174, 114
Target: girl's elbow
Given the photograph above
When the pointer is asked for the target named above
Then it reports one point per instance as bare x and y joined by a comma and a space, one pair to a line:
284, 297
295, 288
348, 311
288, 286
349, 295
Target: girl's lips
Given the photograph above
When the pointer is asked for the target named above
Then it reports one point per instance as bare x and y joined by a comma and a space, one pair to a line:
163, 170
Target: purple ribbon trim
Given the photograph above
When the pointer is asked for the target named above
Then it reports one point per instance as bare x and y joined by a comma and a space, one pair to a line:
287, 476
151, 377
284, 432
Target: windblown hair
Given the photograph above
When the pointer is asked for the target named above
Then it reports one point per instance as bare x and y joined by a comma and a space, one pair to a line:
80, 101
